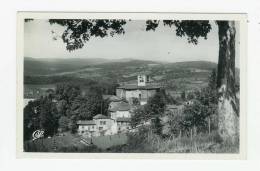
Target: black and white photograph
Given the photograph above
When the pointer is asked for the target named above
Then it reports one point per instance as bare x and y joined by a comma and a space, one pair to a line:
168, 85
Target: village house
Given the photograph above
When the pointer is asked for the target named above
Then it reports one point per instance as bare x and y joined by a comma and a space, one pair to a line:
120, 113
100, 125
86, 127
118, 121
123, 124
103, 124
142, 90
119, 110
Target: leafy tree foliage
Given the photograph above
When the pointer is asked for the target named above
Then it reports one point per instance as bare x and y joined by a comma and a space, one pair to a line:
31, 118
40, 114
140, 114
195, 116
191, 29
174, 125
48, 116
78, 31
75, 105
64, 123
156, 104
201, 114
183, 95
154, 108
157, 126
67, 92
190, 96
70, 106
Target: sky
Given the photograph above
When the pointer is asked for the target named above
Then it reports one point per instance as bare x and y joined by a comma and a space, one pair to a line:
160, 45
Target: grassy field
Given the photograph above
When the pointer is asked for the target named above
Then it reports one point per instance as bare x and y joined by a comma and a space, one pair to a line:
123, 143
75, 143
53, 144
202, 143
106, 142
199, 144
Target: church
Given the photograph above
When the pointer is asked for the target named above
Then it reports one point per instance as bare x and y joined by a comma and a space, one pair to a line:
143, 89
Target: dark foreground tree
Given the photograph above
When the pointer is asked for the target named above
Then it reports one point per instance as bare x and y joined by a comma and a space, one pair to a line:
156, 104
228, 109
40, 114
31, 121
48, 116
79, 31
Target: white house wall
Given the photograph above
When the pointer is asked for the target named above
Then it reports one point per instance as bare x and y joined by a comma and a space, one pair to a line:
132, 93
120, 114
104, 127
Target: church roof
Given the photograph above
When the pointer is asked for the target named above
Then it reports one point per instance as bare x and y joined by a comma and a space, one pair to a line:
111, 98
136, 87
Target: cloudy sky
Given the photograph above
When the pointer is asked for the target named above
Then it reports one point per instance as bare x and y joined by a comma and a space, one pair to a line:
161, 45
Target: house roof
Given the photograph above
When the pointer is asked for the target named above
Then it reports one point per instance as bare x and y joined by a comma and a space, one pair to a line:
123, 119
136, 87
100, 116
86, 122
119, 106
111, 97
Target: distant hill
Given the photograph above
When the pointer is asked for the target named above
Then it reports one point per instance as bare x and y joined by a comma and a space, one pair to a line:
203, 65
49, 66
175, 77
46, 66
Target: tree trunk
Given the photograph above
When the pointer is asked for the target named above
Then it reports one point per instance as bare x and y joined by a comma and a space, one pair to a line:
191, 133
228, 115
